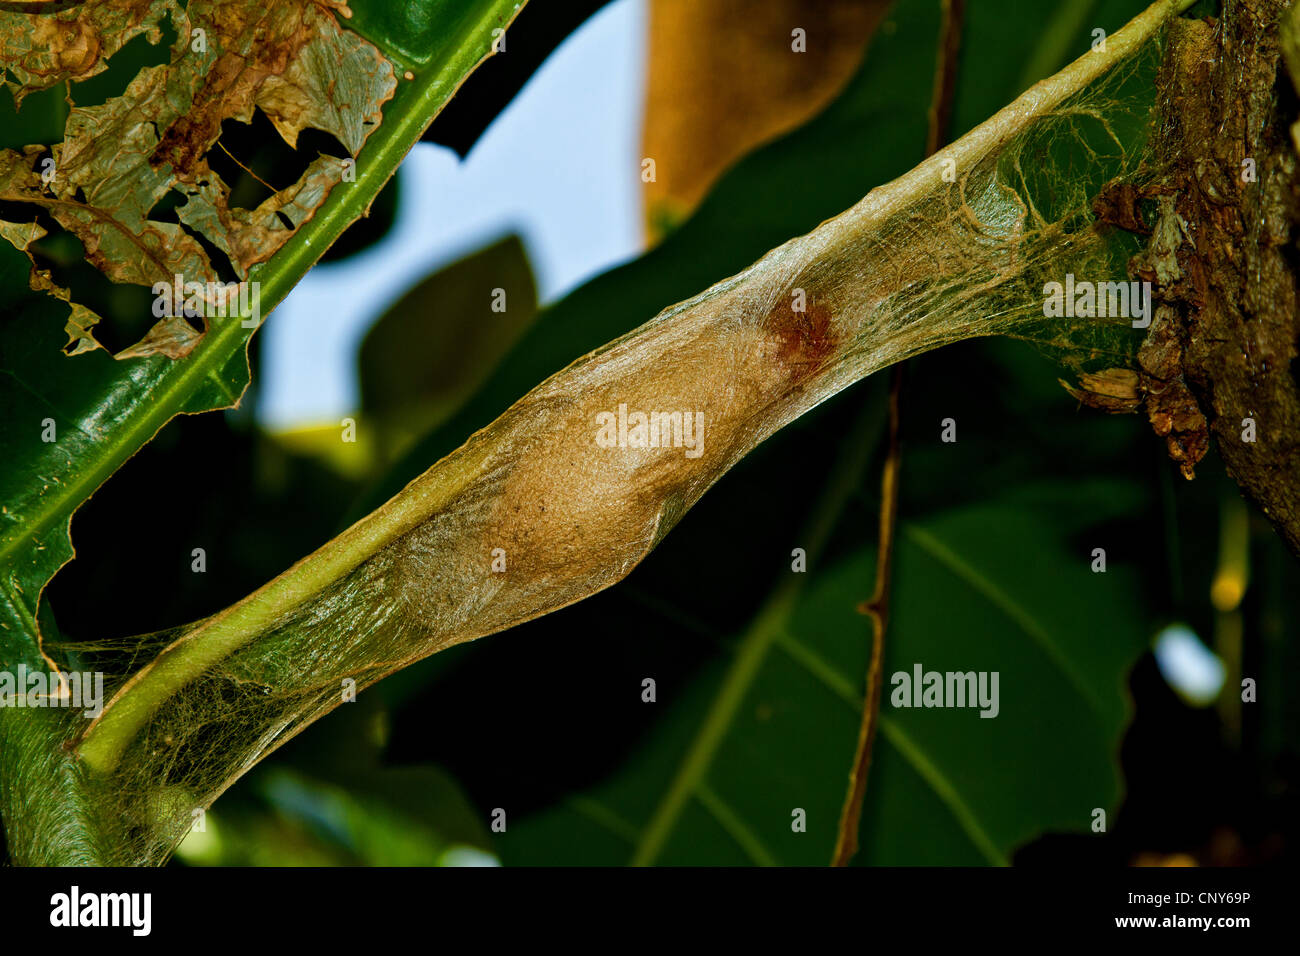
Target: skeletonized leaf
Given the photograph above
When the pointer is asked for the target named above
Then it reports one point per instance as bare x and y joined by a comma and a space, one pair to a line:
120, 159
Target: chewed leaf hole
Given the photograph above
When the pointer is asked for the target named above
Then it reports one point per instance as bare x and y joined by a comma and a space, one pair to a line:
126, 309
255, 162
125, 64
165, 210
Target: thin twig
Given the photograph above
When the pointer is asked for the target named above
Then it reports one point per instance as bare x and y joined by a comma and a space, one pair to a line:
878, 608
846, 844
945, 76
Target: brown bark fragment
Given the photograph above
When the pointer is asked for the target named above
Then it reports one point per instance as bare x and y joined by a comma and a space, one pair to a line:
1171, 407
1117, 204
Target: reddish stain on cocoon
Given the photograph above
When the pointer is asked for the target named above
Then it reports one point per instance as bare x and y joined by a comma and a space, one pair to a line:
803, 340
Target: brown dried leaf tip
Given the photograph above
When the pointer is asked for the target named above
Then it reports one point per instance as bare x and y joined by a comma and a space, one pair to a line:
1114, 390
119, 160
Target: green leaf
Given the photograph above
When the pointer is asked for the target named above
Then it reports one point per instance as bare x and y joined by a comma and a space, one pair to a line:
102, 410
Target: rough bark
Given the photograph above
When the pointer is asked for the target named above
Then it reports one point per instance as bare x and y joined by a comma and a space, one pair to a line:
1223, 257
